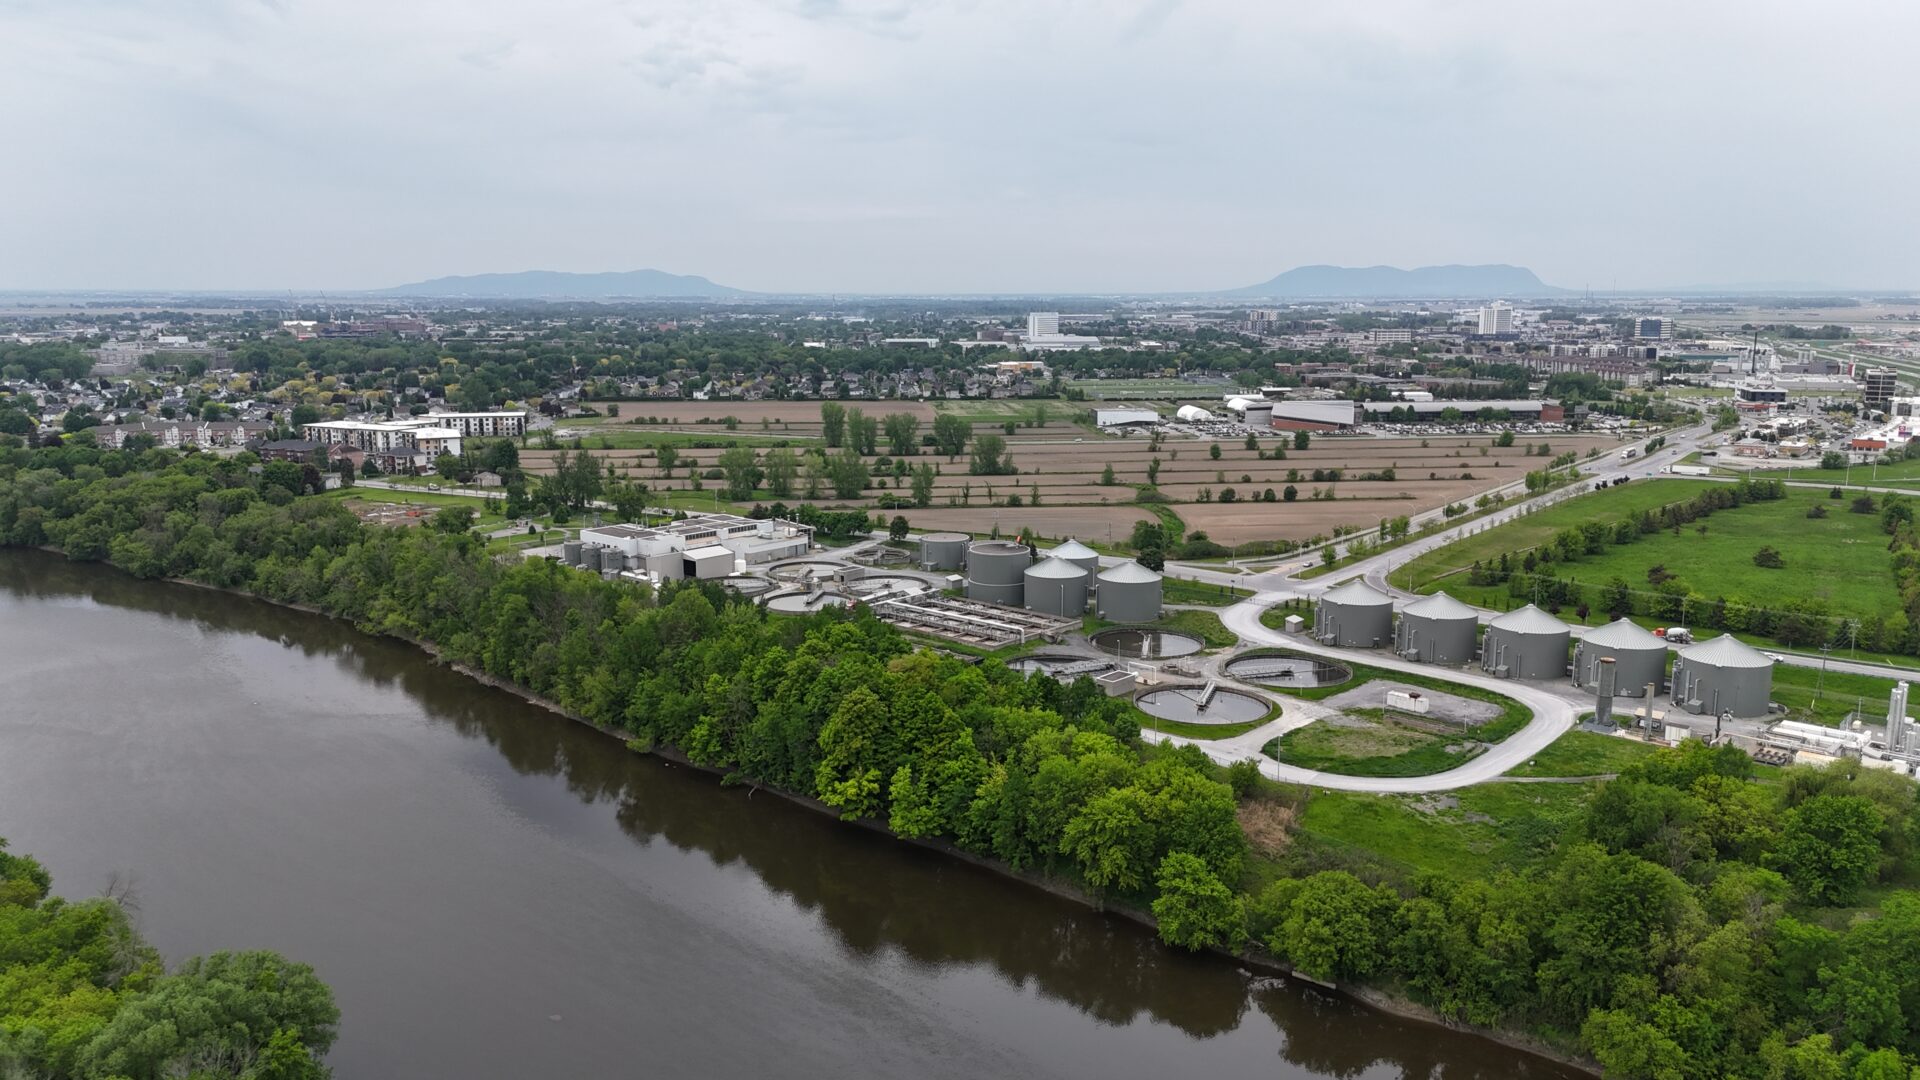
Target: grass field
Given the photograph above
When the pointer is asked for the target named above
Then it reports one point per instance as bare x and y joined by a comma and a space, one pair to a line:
1840, 559
1468, 833
1840, 693
1181, 591
1428, 571
1390, 749
1584, 753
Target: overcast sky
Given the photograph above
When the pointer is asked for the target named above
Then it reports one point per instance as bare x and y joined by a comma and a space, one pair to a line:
975, 145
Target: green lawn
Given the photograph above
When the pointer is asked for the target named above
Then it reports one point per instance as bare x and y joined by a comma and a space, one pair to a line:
1584, 753
485, 510
1611, 504
1275, 617
1466, 834
1898, 472
1204, 625
1840, 559
1182, 591
1839, 694
1395, 750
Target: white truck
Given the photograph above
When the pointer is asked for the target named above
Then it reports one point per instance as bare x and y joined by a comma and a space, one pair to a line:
1629, 453
1690, 470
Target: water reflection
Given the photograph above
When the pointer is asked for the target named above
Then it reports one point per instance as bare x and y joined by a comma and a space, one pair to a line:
879, 897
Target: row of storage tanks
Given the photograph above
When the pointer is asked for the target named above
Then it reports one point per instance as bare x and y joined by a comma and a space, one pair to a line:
1062, 583
1721, 675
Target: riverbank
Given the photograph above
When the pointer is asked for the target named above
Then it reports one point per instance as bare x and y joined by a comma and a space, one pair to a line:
1384, 1001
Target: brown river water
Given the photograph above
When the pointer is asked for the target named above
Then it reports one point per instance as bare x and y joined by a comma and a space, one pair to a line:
495, 891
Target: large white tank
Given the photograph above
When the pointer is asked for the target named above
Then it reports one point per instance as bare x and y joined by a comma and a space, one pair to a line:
1056, 587
1724, 675
1526, 643
996, 571
1638, 658
1355, 614
1129, 593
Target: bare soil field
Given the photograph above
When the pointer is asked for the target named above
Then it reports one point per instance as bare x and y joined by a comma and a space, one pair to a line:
1064, 463
1099, 523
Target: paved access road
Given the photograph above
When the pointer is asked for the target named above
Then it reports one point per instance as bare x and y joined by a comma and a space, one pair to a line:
1553, 715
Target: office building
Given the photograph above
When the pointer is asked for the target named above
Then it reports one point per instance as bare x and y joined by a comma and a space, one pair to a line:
1877, 386
1652, 327
1043, 323
1496, 318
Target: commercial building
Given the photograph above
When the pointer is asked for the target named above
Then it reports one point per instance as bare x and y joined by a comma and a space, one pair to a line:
1652, 327
1042, 323
1110, 418
1877, 386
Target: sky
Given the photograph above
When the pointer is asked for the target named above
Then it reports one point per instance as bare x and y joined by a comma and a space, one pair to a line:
930, 146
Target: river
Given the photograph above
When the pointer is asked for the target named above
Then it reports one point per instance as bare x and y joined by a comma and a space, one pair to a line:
495, 891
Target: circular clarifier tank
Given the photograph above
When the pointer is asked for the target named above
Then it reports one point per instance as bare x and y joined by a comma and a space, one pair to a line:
804, 603
1185, 706
1277, 670
1147, 644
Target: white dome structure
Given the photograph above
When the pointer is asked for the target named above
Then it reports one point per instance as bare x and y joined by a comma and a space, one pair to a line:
1192, 414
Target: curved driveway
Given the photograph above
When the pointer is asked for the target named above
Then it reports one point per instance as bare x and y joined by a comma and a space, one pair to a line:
1553, 716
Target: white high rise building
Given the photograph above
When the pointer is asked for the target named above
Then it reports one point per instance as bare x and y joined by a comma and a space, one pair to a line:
1496, 318
1043, 323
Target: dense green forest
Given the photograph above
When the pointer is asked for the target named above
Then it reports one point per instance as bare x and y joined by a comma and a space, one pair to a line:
1695, 918
81, 995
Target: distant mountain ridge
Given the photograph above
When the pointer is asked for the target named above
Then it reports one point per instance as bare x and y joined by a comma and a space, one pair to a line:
563, 285
1390, 282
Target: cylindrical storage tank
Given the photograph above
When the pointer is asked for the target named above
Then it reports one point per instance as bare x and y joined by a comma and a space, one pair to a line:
570, 552
943, 550
1526, 643
590, 557
1128, 593
996, 571
1722, 676
1638, 658
1438, 630
1356, 615
1056, 587
1081, 556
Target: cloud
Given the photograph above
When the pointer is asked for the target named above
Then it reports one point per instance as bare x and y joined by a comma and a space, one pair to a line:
960, 145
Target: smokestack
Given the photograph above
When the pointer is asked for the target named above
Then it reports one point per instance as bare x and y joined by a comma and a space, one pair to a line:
1896, 716
1603, 701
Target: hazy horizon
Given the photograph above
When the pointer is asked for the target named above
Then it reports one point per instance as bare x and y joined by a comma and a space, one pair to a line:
819, 146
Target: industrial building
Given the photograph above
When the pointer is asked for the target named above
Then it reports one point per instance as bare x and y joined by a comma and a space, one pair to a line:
1724, 675
1639, 658
1128, 593
1438, 630
1355, 614
1113, 418
996, 571
699, 546
1055, 586
1526, 643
